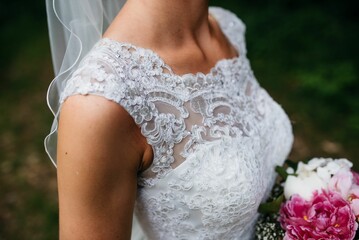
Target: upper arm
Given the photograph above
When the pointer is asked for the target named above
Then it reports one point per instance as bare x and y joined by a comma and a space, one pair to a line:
99, 153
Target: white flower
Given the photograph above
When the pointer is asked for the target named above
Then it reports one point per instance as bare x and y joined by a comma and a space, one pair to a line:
304, 186
344, 163
317, 162
324, 174
313, 176
333, 166
290, 170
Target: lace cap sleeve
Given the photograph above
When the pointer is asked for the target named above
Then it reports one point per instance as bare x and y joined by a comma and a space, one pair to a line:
96, 75
104, 72
232, 26
110, 72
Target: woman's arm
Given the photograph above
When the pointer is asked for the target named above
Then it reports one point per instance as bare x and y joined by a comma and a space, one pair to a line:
99, 152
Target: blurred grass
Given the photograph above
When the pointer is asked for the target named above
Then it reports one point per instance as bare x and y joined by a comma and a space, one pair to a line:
305, 54
28, 205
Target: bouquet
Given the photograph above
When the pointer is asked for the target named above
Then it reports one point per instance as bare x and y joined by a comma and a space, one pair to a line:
314, 200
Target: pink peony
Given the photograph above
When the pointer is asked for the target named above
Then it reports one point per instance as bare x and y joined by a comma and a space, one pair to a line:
356, 177
341, 183
326, 216
354, 199
345, 182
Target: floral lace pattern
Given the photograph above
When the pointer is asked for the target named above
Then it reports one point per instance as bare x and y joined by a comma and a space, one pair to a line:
216, 137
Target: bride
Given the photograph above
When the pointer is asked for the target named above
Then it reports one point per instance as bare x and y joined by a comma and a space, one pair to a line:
158, 115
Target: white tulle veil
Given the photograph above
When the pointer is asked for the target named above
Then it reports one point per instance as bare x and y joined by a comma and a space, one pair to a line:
74, 27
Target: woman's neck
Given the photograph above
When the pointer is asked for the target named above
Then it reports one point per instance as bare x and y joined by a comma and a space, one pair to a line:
181, 14
176, 21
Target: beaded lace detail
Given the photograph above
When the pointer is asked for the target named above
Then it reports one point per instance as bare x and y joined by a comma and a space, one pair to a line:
216, 137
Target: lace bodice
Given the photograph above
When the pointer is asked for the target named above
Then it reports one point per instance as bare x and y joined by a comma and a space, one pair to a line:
216, 137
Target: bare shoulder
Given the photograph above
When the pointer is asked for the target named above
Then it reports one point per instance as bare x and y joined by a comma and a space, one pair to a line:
100, 123
98, 159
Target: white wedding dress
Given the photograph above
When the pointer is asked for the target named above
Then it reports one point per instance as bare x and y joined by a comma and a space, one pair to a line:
216, 137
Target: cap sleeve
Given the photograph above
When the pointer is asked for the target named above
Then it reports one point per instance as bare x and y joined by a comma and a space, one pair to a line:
108, 73
104, 73
233, 27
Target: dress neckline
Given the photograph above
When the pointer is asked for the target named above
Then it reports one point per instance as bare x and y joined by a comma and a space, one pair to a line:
169, 71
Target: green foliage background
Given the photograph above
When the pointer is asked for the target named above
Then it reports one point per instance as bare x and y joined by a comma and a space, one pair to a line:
305, 53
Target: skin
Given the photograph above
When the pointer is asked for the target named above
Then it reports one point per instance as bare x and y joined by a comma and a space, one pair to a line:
100, 148
188, 33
